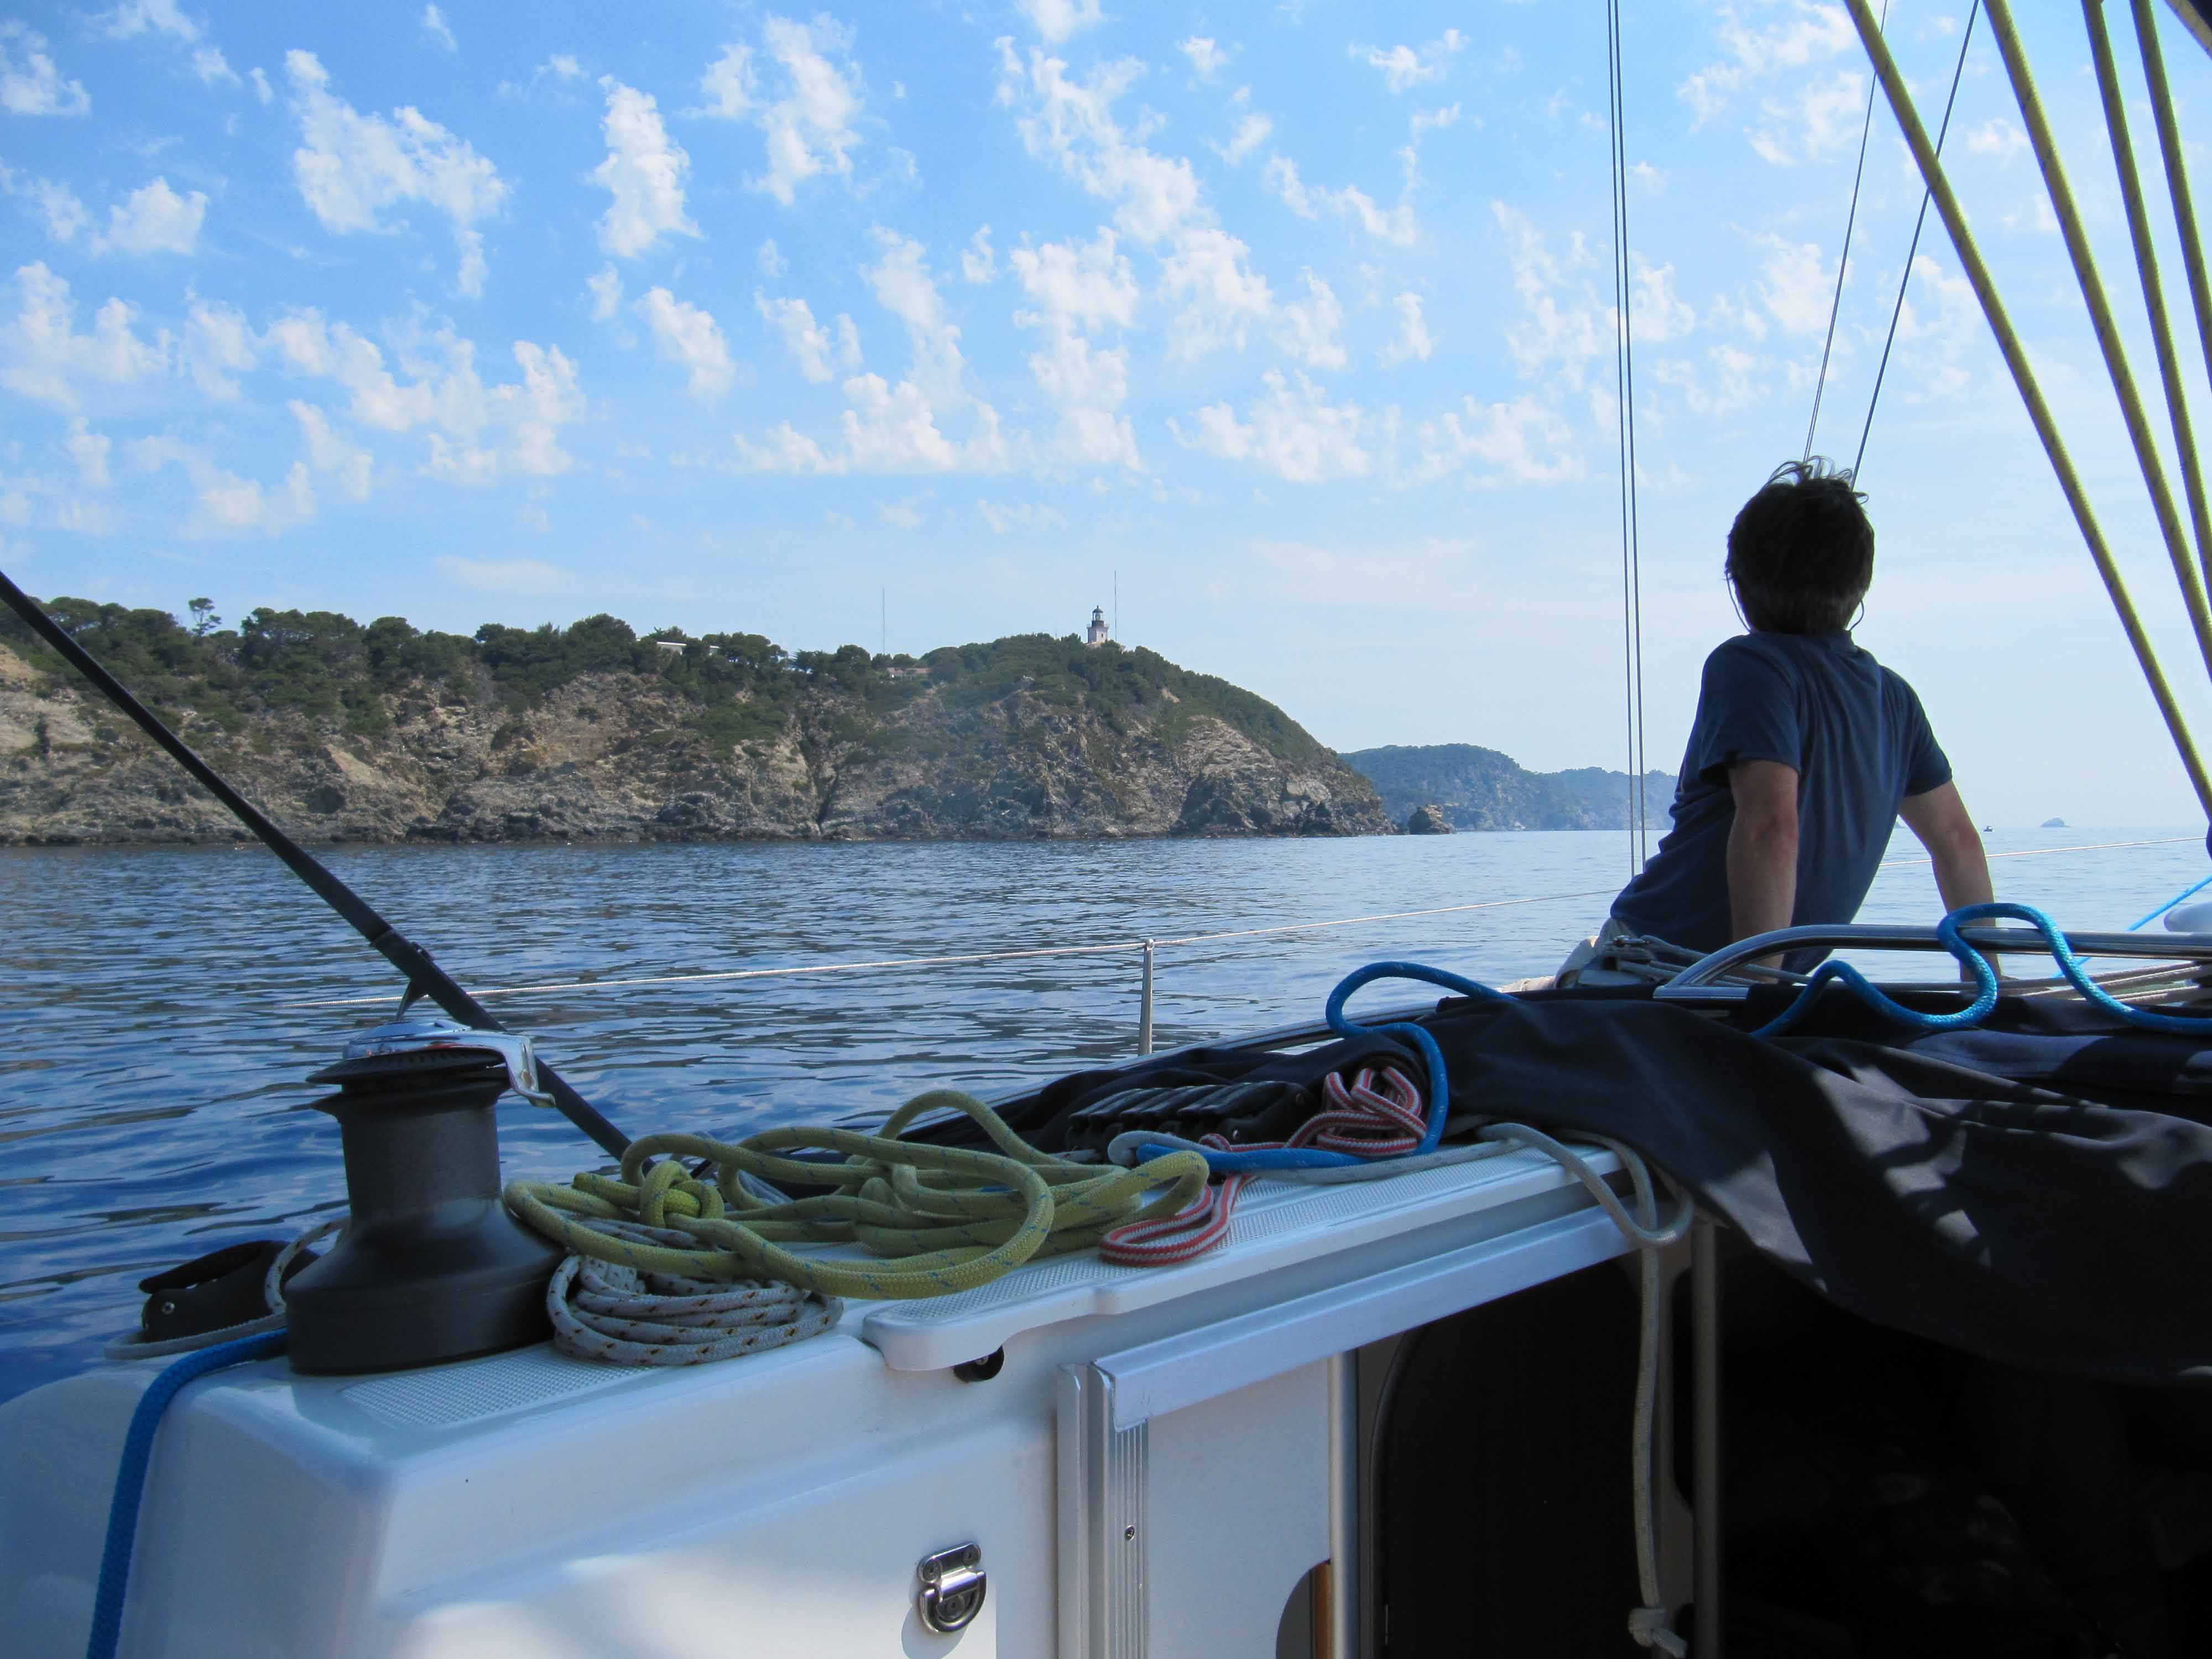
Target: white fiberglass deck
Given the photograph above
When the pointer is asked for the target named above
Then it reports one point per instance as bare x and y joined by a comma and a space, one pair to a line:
532, 1504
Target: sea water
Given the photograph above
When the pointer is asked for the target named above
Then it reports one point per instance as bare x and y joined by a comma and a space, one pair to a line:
166, 1006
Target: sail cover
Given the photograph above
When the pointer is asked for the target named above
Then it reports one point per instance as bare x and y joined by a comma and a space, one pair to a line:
2038, 1192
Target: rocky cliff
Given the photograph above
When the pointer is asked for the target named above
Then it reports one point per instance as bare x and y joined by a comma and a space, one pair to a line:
383, 733
1481, 789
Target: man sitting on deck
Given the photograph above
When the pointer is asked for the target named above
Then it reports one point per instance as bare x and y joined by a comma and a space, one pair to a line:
1804, 752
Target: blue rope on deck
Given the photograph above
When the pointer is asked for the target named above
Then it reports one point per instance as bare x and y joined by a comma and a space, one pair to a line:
1985, 982
130, 1476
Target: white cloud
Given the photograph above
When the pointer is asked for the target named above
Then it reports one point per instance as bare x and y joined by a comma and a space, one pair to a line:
1225, 299
262, 89
1005, 516
154, 219
211, 66
902, 515
1823, 118
1071, 123
563, 66
687, 335
1526, 441
137, 17
435, 26
351, 167
89, 449
218, 346
1397, 226
1414, 342
474, 433
228, 504
1793, 284
1426, 121
1404, 66
1294, 434
1089, 283
810, 129
770, 260
978, 263
1251, 132
332, 452
1658, 314
1996, 137
1207, 59
1308, 331
1061, 20
819, 350
1731, 380
1561, 321
895, 428
45, 356
64, 215
607, 292
643, 171
34, 85
1811, 31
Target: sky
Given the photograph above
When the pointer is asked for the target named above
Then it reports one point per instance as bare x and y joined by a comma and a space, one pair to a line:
1284, 334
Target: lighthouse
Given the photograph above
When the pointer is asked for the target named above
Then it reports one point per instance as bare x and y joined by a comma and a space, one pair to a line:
1098, 631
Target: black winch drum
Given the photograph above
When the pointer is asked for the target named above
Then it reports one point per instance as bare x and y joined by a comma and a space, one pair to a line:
431, 1266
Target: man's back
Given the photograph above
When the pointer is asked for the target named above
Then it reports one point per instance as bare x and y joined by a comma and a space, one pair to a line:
1856, 737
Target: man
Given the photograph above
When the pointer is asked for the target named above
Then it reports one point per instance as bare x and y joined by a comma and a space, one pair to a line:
1805, 749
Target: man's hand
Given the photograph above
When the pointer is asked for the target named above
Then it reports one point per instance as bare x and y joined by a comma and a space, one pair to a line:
1762, 849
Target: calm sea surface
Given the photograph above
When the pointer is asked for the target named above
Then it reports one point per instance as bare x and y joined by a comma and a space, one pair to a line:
152, 1100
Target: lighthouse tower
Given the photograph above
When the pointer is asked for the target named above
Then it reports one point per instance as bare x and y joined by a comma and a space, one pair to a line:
1099, 631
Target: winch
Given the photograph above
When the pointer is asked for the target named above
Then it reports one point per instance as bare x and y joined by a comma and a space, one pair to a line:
431, 1266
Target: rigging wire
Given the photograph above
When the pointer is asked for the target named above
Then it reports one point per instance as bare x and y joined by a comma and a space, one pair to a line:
1905, 277
1632, 572
1843, 260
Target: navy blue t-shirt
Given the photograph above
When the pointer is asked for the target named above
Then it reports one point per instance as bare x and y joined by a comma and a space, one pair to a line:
1861, 744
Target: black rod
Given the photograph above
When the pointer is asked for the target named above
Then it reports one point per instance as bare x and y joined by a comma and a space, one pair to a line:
402, 952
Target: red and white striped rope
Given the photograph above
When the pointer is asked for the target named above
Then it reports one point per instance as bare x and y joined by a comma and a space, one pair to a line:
1377, 1115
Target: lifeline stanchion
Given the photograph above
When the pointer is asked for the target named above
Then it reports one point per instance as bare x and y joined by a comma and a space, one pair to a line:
1145, 1006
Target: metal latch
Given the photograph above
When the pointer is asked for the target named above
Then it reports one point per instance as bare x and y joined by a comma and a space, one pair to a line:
951, 1593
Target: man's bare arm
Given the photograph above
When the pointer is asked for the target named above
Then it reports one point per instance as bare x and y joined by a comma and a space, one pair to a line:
1945, 828
1762, 849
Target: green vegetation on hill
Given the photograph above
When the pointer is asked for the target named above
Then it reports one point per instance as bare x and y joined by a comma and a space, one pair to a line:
332, 669
1482, 789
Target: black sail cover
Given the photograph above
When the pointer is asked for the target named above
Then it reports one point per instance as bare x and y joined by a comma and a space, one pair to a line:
2037, 1191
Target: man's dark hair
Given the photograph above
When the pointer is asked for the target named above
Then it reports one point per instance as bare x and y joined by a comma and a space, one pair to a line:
1800, 554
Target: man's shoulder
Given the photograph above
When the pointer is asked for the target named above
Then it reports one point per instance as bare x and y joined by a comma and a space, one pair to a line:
1752, 655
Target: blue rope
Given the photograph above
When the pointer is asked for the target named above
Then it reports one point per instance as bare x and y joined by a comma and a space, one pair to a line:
131, 1477
2187, 893
1310, 1157
1985, 982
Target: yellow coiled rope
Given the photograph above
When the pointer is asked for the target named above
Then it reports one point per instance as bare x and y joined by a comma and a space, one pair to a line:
949, 1217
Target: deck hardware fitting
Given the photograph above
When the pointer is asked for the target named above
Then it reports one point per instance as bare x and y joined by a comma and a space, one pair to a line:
984, 1369
952, 1585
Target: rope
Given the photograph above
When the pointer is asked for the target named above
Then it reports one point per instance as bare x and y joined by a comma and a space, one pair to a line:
2101, 312
1905, 277
1843, 260
131, 1477
945, 1219
606, 1311
2169, 365
1932, 171
1985, 982
1169, 1240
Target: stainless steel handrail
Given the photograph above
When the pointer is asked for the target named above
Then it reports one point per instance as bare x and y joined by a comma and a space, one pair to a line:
2189, 947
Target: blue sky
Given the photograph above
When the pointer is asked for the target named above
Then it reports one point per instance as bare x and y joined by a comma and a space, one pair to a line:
932, 323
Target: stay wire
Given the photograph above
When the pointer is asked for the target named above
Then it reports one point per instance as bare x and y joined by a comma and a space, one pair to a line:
1632, 577
1843, 260
1905, 277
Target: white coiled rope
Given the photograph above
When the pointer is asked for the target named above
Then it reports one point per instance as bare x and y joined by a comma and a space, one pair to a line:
605, 1311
